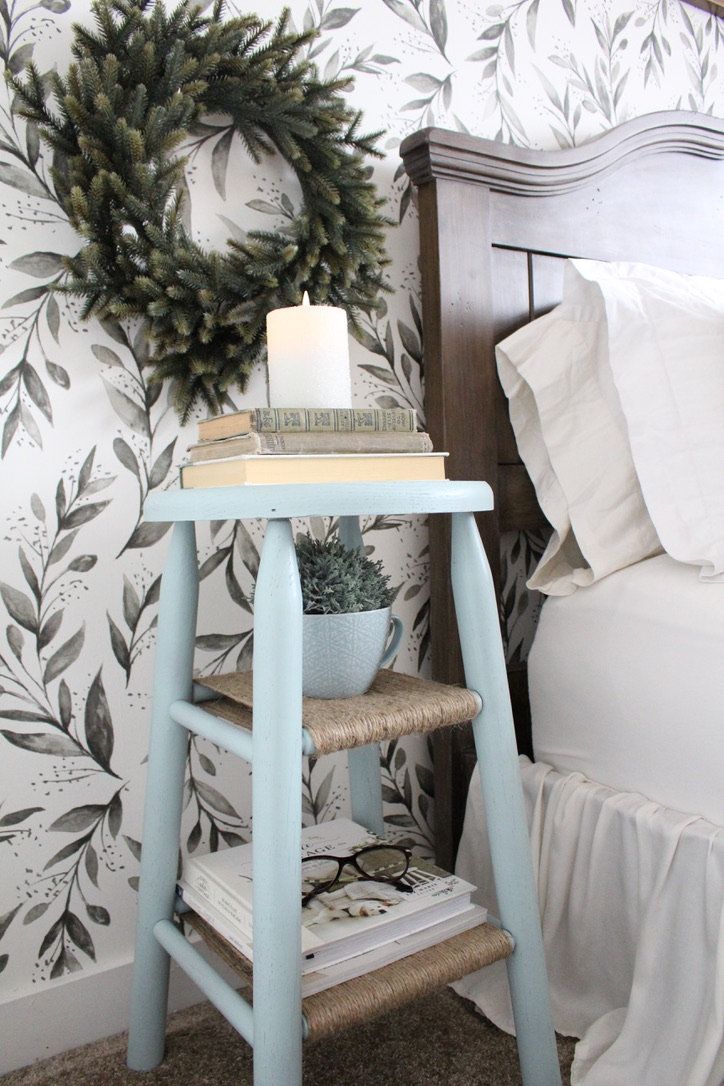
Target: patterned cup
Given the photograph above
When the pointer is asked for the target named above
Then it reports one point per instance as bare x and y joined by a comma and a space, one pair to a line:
343, 653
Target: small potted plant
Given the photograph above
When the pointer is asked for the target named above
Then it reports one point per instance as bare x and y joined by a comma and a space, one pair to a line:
347, 619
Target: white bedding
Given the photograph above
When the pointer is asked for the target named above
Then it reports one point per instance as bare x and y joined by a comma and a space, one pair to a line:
627, 695
627, 685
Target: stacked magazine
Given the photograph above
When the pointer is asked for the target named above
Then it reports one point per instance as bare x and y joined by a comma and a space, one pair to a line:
354, 927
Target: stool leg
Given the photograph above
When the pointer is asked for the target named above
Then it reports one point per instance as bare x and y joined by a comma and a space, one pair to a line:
479, 625
365, 783
277, 812
164, 795
365, 787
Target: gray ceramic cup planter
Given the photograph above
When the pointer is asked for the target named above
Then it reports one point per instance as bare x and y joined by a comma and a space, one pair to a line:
343, 653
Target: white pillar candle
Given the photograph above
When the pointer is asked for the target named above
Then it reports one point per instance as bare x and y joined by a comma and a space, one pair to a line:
308, 353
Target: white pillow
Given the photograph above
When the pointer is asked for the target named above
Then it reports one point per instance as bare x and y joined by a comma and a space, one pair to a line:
666, 354
572, 438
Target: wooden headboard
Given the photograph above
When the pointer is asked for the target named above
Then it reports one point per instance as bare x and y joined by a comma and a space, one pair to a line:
496, 225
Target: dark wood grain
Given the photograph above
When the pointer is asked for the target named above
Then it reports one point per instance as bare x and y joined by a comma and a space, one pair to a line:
496, 224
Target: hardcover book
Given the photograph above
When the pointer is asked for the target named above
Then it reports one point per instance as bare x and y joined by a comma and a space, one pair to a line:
318, 442
303, 468
316, 978
352, 917
295, 420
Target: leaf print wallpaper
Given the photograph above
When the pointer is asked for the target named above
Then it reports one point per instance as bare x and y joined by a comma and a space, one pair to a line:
84, 440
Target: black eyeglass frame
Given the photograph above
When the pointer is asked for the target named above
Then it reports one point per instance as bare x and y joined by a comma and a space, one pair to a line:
351, 860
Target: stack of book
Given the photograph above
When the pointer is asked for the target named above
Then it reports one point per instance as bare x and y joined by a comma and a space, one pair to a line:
353, 928
311, 445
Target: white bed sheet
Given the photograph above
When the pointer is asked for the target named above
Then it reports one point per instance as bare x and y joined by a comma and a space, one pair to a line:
627, 827
632, 912
627, 685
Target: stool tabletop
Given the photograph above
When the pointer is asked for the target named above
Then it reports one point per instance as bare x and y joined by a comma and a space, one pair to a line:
282, 501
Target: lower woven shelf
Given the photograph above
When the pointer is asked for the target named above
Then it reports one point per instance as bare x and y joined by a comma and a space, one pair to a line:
354, 1001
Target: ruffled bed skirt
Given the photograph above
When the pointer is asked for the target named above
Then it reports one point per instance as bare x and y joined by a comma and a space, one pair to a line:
632, 902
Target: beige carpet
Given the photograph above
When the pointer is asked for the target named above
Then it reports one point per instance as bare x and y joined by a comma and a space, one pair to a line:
438, 1041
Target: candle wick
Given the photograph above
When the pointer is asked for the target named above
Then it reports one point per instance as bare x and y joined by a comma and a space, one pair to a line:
305, 299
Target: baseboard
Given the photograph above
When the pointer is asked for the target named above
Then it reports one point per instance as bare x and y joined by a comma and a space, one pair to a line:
77, 1010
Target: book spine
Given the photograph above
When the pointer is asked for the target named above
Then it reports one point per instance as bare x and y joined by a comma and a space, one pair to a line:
224, 927
224, 903
339, 419
306, 443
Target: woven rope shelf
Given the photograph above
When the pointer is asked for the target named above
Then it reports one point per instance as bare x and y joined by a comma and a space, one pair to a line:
394, 705
355, 1001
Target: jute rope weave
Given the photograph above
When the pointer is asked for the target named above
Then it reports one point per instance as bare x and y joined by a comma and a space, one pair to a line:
354, 1001
394, 705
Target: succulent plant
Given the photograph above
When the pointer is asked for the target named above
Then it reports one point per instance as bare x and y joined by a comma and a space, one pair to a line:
337, 580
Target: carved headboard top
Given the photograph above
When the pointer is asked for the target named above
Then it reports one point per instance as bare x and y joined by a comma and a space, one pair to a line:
437, 152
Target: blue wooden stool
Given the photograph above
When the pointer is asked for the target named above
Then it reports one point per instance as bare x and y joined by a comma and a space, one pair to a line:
276, 1025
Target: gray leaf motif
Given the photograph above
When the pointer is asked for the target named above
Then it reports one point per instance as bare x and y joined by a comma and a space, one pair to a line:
220, 162
57, 745
40, 265
80, 935
408, 14
14, 818
438, 23
162, 466
65, 704
6, 920
119, 646
82, 515
126, 456
86, 469
23, 180
37, 507
62, 547
30, 295
36, 390
128, 410
10, 428
98, 914
421, 81
66, 655
83, 563
247, 549
79, 818
131, 604
215, 799
115, 815
107, 356
146, 534
19, 607
338, 18
57, 374
98, 724
36, 912
52, 315
29, 574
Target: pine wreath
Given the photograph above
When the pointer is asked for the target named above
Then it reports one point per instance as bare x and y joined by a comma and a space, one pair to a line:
138, 84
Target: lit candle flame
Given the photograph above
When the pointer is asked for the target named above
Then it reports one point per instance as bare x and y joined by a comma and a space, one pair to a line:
305, 299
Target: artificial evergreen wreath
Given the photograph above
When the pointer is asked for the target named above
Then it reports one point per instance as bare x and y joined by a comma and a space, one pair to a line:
138, 84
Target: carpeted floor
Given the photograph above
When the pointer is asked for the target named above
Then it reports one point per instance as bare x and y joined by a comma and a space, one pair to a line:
438, 1041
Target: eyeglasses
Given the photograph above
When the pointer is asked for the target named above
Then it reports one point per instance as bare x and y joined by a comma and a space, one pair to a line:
378, 863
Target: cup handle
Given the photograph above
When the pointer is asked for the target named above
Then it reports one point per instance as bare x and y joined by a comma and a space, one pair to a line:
398, 630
